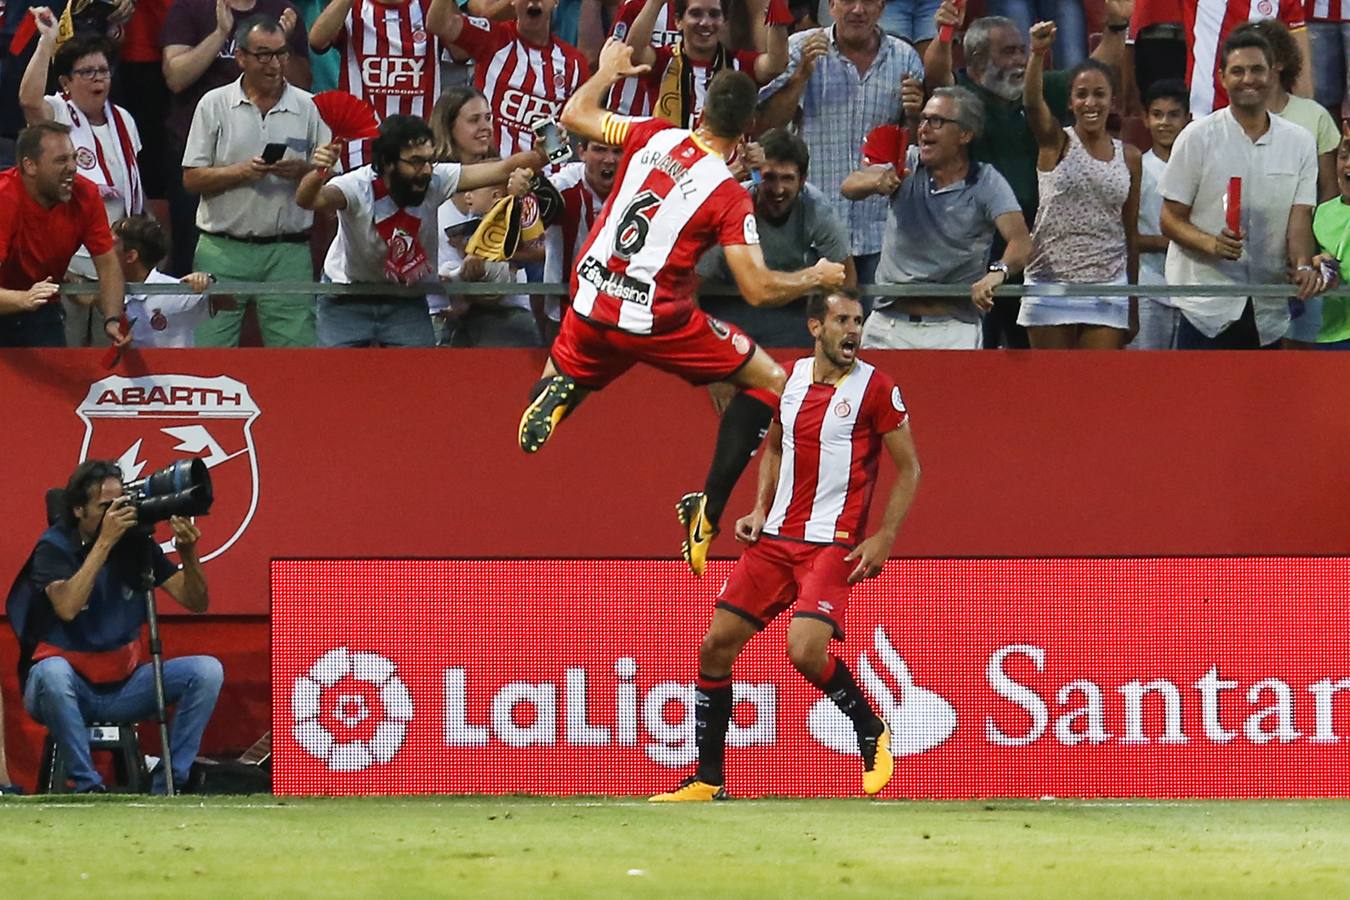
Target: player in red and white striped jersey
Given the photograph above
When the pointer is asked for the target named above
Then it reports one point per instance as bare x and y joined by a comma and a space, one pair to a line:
584, 186
677, 85
526, 72
389, 59
633, 287
1207, 24
805, 540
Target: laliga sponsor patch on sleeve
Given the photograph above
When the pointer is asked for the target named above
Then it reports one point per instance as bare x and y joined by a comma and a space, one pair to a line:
896, 400
620, 30
751, 229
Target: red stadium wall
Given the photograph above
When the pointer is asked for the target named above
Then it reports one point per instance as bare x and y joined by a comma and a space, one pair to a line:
412, 454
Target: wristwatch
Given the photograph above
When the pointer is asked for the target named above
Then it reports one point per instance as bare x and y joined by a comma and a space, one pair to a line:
1000, 266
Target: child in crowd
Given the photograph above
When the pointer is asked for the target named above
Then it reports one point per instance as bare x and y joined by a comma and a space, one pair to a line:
1331, 227
157, 320
1167, 105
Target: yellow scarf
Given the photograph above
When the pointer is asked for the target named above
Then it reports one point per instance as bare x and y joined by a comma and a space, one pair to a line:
675, 100
504, 227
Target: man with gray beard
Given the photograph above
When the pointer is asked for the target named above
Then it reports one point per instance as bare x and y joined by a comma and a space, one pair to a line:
996, 62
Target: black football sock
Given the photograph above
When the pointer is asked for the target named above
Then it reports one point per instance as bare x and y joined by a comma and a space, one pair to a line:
743, 426
712, 717
838, 684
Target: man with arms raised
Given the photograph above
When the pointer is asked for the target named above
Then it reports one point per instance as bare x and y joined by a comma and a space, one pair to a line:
633, 287
805, 534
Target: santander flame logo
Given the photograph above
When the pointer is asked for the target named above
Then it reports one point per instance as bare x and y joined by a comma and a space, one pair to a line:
919, 718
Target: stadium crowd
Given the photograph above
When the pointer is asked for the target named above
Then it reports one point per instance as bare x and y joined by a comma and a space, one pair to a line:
919, 143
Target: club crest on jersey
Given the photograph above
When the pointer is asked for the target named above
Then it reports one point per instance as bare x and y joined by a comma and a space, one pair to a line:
159, 321
896, 400
842, 409
719, 328
1265, 8
148, 422
84, 158
419, 36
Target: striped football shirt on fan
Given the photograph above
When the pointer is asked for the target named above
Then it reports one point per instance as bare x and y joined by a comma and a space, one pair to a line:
1326, 11
523, 82
648, 87
673, 198
627, 96
832, 436
1208, 24
581, 207
391, 61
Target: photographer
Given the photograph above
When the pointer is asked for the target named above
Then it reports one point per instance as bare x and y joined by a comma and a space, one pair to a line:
81, 630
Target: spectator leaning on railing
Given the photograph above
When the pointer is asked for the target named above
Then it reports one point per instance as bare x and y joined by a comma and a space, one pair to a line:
1277, 164
106, 143
1331, 226
251, 229
387, 230
158, 320
47, 212
796, 227
846, 79
944, 212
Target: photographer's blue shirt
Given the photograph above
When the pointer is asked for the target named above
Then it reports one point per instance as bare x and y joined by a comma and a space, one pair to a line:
103, 641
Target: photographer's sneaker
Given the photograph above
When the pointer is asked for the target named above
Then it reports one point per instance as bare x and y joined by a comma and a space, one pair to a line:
691, 790
699, 532
878, 762
544, 414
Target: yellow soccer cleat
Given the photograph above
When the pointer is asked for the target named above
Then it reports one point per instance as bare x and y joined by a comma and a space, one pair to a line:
691, 790
545, 412
699, 532
878, 763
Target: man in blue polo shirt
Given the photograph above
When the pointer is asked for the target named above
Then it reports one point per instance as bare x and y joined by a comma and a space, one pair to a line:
78, 609
945, 211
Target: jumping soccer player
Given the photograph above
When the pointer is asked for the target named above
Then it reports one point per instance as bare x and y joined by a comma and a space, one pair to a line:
815, 486
634, 283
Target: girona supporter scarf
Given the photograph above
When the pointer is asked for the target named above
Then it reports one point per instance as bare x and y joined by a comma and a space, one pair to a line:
405, 261
509, 222
87, 144
676, 99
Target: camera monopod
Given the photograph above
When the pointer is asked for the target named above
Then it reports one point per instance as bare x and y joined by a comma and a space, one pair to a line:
145, 551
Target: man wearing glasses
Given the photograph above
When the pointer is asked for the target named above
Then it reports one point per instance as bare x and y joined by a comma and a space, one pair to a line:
106, 144
250, 142
198, 41
944, 211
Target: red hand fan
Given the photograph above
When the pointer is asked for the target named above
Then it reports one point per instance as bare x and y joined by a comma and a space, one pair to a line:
887, 145
347, 117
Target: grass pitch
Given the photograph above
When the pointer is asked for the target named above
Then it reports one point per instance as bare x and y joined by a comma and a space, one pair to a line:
601, 847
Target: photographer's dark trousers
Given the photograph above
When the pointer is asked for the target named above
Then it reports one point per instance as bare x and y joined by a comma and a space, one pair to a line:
63, 700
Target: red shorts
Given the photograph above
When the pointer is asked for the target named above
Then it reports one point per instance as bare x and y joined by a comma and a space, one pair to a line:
774, 573
700, 351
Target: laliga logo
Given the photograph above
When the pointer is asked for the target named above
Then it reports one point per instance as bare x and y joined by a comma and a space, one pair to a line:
332, 704
920, 720
148, 422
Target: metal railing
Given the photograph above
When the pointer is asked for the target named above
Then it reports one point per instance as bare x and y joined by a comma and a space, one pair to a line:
1275, 291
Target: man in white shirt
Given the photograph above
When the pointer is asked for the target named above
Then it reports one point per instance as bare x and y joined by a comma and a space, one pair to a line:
1277, 164
387, 230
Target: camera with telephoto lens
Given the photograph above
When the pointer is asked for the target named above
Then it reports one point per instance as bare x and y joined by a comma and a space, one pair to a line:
180, 489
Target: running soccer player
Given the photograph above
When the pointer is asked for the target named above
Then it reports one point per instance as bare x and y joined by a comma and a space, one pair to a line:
634, 283
805, 535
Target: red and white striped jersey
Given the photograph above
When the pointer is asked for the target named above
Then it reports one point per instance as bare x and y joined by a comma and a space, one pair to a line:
1326, 11
673, 198
581, 207
523, 82
646, 91
390, 60
624, 96
832, 436
1207, 25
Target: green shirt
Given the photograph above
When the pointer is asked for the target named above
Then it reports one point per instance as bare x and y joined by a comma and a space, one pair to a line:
1008, 144
1331, 227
